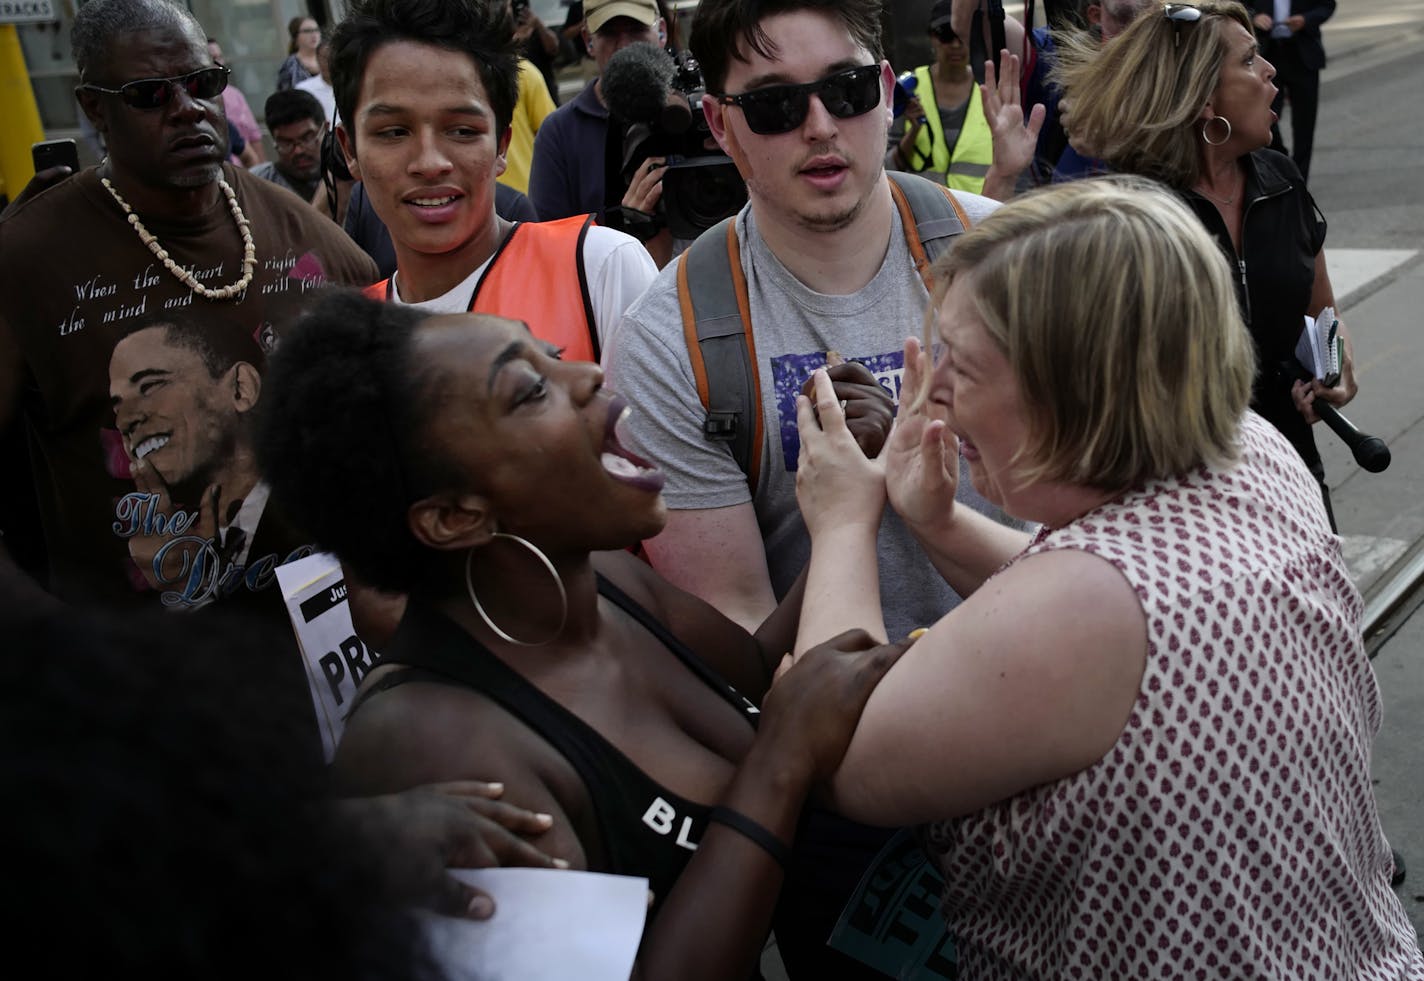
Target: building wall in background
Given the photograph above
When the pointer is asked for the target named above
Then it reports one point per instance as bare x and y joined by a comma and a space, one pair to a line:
253, 34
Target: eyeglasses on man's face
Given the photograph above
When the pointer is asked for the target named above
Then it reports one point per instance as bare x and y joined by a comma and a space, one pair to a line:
781, 108
155, 93
307, 141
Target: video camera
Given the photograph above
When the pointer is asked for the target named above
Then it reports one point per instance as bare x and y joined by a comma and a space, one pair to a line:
655, 104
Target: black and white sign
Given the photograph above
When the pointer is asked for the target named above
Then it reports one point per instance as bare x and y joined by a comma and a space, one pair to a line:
27, 12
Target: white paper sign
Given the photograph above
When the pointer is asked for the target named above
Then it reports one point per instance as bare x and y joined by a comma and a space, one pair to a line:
335, 659
548, 925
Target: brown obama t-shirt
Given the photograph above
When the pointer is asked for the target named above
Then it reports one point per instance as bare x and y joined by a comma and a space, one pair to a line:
140, 436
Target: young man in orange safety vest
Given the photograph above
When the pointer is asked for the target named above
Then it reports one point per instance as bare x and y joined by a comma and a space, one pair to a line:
425, 93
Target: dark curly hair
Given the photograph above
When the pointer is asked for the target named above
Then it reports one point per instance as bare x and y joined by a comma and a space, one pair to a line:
164, 785
291, 106
482, 29
339, 436
726, 29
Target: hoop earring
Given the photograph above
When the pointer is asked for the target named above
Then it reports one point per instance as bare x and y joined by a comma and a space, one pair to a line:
558, 582
1206, 125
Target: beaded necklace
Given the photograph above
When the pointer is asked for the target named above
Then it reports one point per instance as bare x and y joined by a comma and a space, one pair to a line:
249, 251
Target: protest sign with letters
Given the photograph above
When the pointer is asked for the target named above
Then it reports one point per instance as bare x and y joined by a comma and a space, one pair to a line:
336, 660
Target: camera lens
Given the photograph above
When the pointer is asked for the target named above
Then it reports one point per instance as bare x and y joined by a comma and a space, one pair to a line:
699, 192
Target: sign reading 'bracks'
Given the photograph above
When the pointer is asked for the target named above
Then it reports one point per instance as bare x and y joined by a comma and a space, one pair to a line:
27, 12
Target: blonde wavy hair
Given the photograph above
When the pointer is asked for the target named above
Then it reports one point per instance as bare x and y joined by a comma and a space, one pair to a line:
1115, 309
1134, 101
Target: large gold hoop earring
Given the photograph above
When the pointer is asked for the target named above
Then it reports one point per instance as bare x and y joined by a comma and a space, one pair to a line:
1207, 125
558, 583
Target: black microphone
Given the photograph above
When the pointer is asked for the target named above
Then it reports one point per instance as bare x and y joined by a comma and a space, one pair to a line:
637, 88
1371, 453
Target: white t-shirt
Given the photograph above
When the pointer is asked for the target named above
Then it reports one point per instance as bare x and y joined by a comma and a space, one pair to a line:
324, 93
619, 271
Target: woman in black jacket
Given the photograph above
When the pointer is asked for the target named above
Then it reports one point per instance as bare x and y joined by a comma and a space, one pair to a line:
1184, 96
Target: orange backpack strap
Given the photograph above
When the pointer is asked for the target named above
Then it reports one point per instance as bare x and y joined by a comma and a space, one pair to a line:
716, 326
932, 218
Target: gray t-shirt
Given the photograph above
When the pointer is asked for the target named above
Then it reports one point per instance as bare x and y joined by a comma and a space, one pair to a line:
267, 170
794, 327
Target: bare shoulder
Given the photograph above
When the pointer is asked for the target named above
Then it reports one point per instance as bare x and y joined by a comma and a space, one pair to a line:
1065, 617
1034, 676
422, 732
1072, 578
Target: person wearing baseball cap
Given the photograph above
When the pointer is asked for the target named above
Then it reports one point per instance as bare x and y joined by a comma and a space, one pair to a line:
566, 176
597, 13
944, 132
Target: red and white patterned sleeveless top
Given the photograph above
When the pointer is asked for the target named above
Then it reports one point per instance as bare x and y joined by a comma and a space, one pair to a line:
1231, 831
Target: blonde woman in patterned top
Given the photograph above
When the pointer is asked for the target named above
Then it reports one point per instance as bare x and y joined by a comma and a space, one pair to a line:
1141, 747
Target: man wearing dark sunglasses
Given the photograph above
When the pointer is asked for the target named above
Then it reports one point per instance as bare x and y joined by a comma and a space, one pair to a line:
799, 98
804, 113
164, 226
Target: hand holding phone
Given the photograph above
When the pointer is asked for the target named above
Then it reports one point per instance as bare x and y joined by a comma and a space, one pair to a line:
54, 162
55, 153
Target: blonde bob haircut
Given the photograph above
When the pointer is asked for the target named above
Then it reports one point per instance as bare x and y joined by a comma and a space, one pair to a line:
1115, 310
1136, 100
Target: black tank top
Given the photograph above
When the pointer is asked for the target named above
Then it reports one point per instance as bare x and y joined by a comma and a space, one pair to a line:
646, 829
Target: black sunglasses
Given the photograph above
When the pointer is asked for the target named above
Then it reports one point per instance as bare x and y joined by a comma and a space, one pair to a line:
1179, 14
782, 108
945, 34
153, 93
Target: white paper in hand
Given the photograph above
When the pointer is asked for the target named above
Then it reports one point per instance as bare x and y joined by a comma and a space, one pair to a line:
548, 925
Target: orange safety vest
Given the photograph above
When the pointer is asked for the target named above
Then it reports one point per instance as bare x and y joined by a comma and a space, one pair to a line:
537, 275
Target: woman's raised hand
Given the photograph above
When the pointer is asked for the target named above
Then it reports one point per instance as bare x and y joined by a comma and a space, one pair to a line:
1015, 137
921, 459
836, 485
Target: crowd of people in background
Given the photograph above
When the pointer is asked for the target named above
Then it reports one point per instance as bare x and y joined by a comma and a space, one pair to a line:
960, 480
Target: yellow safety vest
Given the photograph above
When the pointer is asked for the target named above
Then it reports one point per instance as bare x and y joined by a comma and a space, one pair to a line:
967, 163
